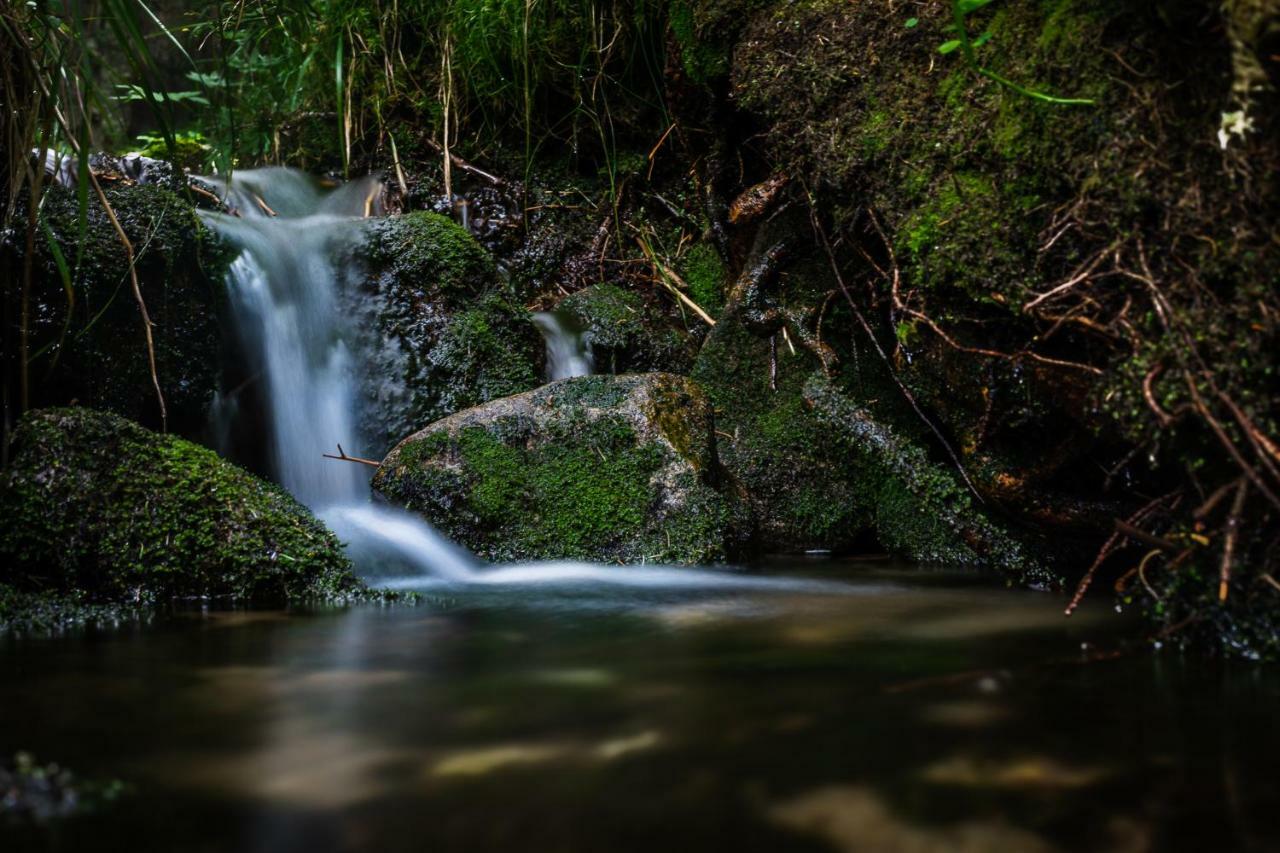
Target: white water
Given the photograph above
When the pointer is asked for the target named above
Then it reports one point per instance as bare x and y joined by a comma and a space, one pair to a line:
568, 355
285, 293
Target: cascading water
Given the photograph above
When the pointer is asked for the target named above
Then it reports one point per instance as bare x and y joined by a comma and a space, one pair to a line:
285, 295
568, 354
286, 288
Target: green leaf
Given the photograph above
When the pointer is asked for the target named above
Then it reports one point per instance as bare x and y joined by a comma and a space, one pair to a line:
912, 22
982, 39
968, 6
949, 46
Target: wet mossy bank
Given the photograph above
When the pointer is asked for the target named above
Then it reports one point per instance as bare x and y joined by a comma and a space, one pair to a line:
104, 518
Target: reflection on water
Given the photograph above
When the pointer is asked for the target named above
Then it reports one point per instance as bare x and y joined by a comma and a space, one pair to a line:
912, 713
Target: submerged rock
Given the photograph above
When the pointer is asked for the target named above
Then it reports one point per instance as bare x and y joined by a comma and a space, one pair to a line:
442, 332
99, 509
608, 468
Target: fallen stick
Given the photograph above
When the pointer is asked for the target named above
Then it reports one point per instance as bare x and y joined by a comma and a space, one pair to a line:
343, 457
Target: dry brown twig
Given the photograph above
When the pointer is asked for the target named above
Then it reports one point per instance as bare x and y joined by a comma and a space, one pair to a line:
343, 457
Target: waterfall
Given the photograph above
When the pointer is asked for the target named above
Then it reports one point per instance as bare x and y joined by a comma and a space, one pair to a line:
285, 288
568, 354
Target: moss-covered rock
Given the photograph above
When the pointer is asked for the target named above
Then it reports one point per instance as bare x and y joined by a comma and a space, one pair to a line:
106, 512
442, 332
608, 468
87, 342
626, 333
1077, 299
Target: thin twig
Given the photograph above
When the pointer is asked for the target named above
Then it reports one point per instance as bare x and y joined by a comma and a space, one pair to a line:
343, 457
875, 343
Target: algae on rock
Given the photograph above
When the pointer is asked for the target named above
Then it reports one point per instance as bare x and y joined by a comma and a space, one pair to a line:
607, 468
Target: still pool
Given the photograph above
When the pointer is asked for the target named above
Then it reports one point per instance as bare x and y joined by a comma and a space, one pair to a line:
889, 709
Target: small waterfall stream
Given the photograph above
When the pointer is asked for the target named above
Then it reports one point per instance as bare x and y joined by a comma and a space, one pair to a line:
285, 289
284, 292
568, 353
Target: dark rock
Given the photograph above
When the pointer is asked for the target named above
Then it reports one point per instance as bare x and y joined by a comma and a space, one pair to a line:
442, 333
626, 333
87, 343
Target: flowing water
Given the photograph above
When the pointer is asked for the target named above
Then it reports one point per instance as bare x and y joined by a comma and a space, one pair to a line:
568, 354
286, 287
820, 705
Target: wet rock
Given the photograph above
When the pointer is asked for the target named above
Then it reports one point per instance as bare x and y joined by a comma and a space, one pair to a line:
87, 343
442, 332
626, 333
802, 491
99, 509
607, 468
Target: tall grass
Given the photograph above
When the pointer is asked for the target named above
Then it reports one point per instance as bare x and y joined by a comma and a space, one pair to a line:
540, 71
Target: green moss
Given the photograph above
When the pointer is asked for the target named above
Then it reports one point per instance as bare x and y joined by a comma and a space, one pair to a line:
482, 354
581, 493
705, 273
568, 472
703, 56
96, 505
800, 489
428, 253
970, 234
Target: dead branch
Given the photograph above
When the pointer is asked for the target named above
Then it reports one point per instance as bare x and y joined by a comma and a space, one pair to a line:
1113, 541
465, 166
343, 457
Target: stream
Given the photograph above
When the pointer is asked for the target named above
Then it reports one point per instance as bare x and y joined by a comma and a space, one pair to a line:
802, 704
916, 711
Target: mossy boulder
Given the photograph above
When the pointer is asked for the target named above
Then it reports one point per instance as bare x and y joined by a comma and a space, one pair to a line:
607, 468
87, 344
100, 509
627, 333
442, 332
839, 462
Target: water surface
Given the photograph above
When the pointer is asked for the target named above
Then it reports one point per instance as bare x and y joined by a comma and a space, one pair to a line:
903, 711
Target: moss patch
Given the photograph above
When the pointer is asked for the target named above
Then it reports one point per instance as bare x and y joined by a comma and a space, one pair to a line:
626, 333
705, 273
